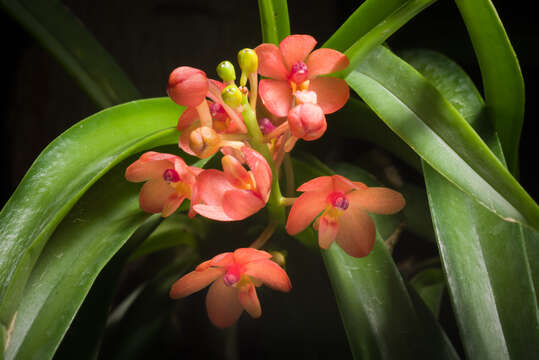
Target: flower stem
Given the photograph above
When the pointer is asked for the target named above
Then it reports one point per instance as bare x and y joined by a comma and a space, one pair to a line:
264, 236
275, 210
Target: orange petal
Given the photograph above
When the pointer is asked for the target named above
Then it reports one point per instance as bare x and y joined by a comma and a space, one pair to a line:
222, 304
331, 93
145, 169
327, 231
221, 260
189, 116
211, 187
193, 282
249, 301
213, 212
270, 62
340, 183
304, 210
172, 204
296, 48
377, 200
245, 255
154, 194
356, 232
240, 204
276, 95
326, 61
321, 184
261, 171
270, 273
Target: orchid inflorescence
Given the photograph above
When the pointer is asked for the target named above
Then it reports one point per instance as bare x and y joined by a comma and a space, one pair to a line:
295, 96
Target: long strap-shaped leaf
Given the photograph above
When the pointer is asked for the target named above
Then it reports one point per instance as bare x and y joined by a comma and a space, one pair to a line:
274, 20
502, 79
61, 175
61, 33
380, 318
495, 302
416, 111
81, 246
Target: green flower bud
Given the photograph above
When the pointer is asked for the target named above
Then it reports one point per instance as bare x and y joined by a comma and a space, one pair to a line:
226, 71
248, 61
232, 96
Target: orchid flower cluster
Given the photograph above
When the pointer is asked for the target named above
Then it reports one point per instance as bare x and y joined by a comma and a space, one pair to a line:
254, 127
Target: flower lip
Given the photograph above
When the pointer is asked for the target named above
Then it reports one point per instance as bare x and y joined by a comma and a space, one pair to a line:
171, 176
232, 276
298, 72
338, 200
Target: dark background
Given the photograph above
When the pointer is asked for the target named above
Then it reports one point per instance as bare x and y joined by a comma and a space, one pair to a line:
150, 38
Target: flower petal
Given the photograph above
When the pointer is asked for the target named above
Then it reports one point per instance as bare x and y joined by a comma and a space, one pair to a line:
147, 168
331, 93
340, 183
249, 301
356, 232
172, 204
327, 232
270, 273
243, 256
221, 260
295, 48
211, 186
240, 204
270, 62
260, 169
326, 61
213, 212
189, 116
321, 184
153, 195
222, 304
304, 210
378, 200
193, 282
276, 95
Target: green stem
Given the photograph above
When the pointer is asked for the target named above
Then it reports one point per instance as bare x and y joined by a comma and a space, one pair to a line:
275, 210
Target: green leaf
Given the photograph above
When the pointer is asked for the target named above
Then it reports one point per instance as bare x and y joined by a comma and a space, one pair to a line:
379, 317
430, 284
274, 20
61, 33
502, 79
369, 14
381, 32
81, 246
416, 111
61, 175
486, 262
357, 120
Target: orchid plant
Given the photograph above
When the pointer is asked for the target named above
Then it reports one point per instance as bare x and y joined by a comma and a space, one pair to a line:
226, 173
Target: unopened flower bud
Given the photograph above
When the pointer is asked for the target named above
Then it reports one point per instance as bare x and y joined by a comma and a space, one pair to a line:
187, 86
232, 96
279, 257
204, 142
307, 121
226, 71
266, 126
248, 61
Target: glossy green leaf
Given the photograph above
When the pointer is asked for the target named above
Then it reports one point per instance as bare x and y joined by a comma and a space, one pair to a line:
61, 33
96, 228
369, 14
357, 120
416, 111
380, 318
502, 79
274, 20
487, 265
61, 175
381, 32
429, 285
